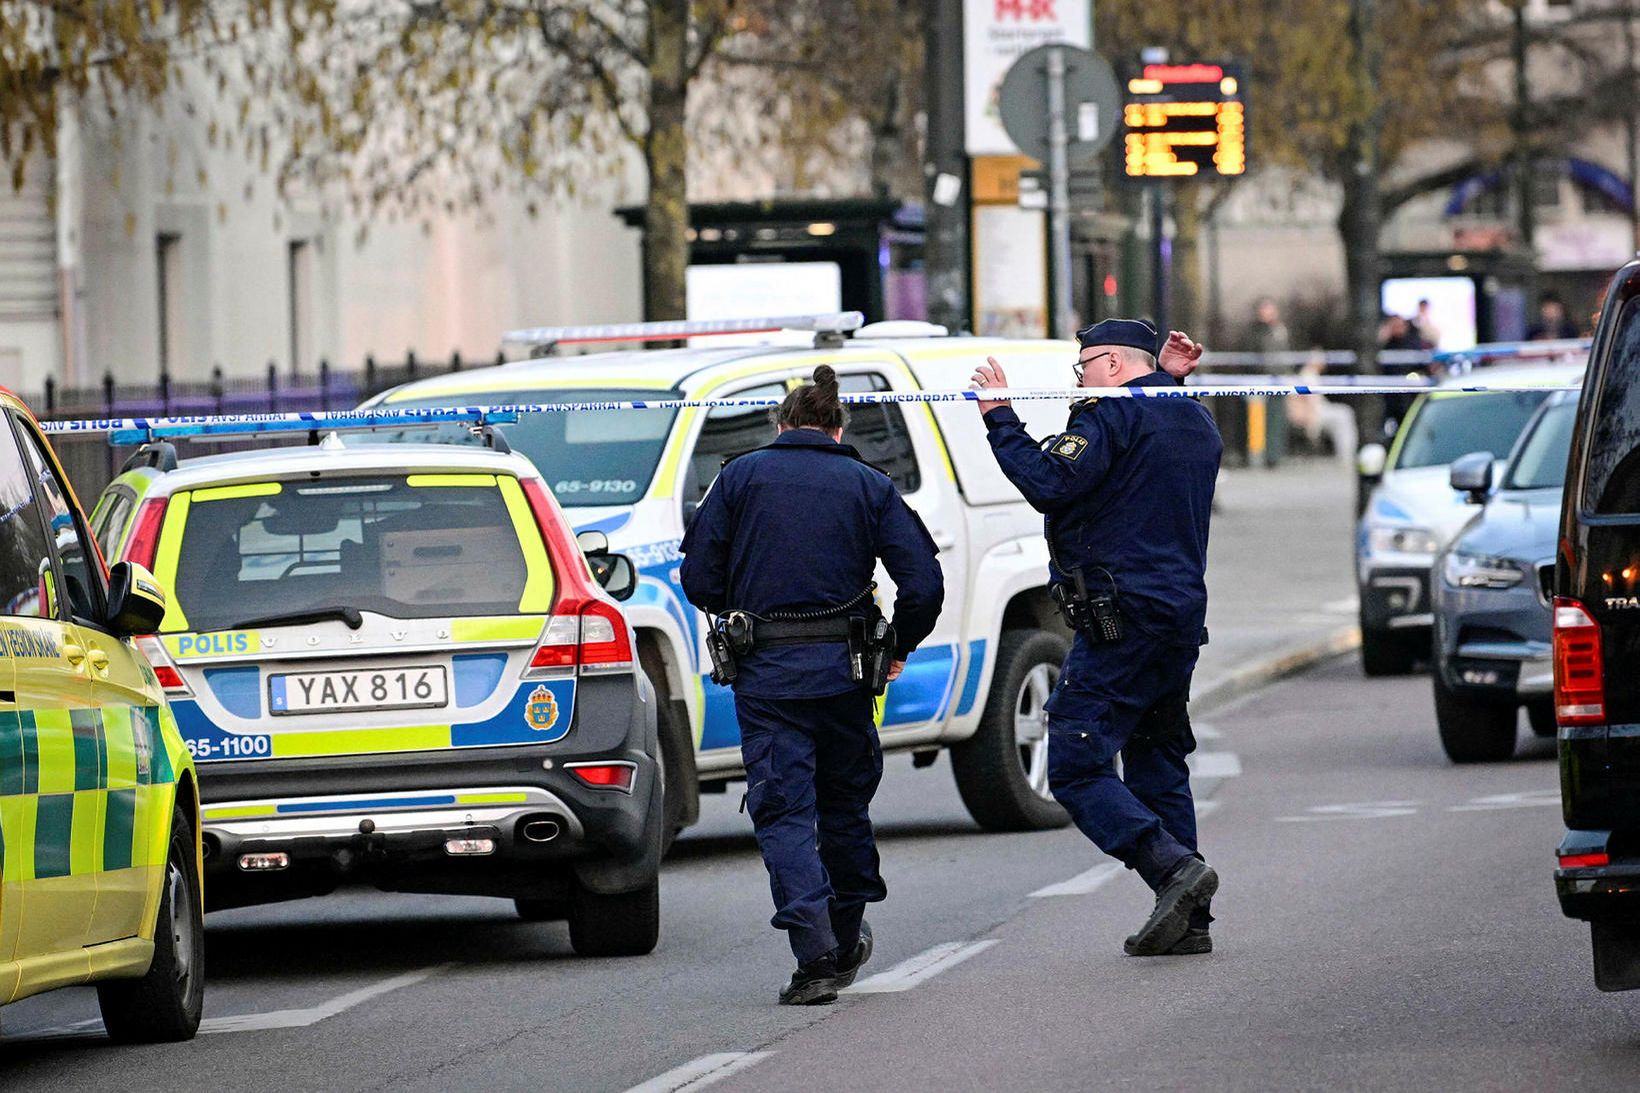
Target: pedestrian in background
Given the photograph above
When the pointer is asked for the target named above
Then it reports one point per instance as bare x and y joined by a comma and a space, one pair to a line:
1269, 332
1552, 324
1424, 325
790, 535
1127, 493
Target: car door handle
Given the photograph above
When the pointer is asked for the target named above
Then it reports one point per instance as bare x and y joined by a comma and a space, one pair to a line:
99, 660
945, 542
74, 654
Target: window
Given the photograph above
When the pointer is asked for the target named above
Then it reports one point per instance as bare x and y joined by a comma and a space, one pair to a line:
168, 257
299, 278
880, 435
108, 522
1612, 481
1541, 461
79, 566
25, 553
728, 431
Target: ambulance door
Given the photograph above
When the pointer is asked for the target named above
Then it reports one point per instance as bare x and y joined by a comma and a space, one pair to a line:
52, 813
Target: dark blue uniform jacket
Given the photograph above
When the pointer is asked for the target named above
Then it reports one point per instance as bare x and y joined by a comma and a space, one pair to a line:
1127, 487
799, 527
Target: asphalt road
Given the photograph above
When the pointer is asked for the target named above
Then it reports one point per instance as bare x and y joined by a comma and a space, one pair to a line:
1387, 921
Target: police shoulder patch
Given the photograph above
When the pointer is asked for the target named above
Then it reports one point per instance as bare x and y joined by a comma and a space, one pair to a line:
1071, 446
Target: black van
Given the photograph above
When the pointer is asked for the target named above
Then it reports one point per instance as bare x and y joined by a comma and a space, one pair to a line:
1596, 592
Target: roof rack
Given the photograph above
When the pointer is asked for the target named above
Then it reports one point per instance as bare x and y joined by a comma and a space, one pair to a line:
828, 329
151, 432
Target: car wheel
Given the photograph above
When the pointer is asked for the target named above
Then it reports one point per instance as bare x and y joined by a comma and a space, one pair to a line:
166, 1003
1386, 653
1002, 770
1541, 716
628, 924
1473, 730
680, 783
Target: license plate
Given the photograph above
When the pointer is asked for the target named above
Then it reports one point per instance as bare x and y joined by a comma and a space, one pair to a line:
420, 686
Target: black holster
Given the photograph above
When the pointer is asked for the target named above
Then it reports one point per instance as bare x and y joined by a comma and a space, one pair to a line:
1093, 615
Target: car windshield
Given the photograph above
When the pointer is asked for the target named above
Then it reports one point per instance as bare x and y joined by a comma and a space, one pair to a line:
1445, 428
589, 457
1541, 461
416, 546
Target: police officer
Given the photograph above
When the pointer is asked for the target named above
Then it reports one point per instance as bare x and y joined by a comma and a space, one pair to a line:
1127, 492
788, 538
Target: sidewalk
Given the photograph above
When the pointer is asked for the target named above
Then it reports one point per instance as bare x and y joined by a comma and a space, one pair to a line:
1280, 582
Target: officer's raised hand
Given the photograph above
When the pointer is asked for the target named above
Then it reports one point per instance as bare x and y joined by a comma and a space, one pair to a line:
989, 374
1179, 356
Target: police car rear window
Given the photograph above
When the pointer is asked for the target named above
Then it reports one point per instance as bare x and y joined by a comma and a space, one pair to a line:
590, 457
383, 544
1611, 484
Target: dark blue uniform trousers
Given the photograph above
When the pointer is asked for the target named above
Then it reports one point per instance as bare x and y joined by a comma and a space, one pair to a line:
812, 767
1127, 698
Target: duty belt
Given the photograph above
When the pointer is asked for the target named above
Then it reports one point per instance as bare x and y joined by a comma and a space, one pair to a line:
802, 632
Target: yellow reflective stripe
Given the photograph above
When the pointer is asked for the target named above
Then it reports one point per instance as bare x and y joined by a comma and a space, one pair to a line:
451, 479
122, 746
666, 475
151, 825
17, 820
231, 493
236, 812
491, 798
504, 628
537, 598
354, 741
86, 833
165, 561
54, 736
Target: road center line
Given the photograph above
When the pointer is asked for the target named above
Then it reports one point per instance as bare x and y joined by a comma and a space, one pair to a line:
276, 1019
702, 1072
1214, 764
920, 968
1081, 884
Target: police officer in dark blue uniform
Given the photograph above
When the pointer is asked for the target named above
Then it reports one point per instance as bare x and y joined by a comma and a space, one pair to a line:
783, 548
1127, 492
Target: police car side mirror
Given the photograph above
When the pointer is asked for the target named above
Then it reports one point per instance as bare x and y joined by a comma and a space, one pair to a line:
1472, 474
1371, 460
136, 603
592, 542
616, 573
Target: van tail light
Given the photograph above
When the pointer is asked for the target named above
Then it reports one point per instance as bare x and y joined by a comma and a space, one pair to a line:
605, 775
1580, 674
164, 669
1585, 861
591, 636
144, 541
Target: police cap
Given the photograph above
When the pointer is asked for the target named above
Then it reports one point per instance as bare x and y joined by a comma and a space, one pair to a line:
1133, 333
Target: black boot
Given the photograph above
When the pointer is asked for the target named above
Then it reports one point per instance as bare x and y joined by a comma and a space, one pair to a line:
1191, 884
848, 964
813, 984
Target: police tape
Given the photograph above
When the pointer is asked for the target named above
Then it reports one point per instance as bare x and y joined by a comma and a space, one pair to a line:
133, 430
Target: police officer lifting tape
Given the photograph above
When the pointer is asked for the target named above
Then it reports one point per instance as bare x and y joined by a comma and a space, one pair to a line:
780, 556
1127, 492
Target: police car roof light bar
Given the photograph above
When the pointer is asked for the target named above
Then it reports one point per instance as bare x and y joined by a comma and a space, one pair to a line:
148, 431
834, 323
1500, 351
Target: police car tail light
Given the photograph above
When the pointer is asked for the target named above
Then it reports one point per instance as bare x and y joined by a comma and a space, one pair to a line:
1580, 681
166, 672
605, 775
606, 646
145, 533
560, 646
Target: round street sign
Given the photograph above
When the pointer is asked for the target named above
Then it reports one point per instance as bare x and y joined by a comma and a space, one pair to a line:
1093, 103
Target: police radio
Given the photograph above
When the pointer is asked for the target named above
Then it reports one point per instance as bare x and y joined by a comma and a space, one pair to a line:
729, 638
1095, 616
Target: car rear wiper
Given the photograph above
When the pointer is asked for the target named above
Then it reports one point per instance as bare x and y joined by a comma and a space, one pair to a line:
349, 615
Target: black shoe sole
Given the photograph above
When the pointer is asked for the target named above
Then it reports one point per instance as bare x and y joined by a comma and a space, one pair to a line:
1169, 924
816, 992
846, 979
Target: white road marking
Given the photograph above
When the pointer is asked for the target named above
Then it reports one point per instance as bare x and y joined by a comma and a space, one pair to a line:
1081, 884
259, 1022
1203, 808
1205, 731
1214, 764
1532, 798
921, 968
701, 1072
1360, 810
1349, 605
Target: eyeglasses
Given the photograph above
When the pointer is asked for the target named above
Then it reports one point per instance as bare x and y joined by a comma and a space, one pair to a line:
1082, 364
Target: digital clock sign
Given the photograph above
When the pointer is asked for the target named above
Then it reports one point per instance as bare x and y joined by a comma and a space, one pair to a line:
1185, 121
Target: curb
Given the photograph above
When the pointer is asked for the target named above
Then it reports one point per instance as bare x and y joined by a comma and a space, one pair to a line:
1289, 661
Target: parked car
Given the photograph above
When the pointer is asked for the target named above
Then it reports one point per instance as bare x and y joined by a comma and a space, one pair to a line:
394, 667
978, 686
1596, 639
99, 818
1413, 512
1491, 599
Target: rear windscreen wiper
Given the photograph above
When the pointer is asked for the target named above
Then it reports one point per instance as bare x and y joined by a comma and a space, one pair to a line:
349, 615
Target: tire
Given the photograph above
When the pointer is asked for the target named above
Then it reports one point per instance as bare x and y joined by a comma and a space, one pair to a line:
681, 785
541, 910
1541, 716
166, 1003
991, 766
625, 925
1473, 730
1385, 653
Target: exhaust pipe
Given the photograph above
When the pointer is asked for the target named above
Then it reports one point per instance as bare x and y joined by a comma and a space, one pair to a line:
541, 831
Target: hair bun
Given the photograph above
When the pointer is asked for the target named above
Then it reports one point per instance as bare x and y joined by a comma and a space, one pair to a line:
825, 377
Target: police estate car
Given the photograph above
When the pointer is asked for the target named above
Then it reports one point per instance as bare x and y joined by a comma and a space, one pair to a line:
976, 688
99, 853
394, 666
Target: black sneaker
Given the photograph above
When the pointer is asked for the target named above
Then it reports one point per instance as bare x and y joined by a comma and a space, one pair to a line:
813, 984
1195, 942
849, 966
1186, 888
